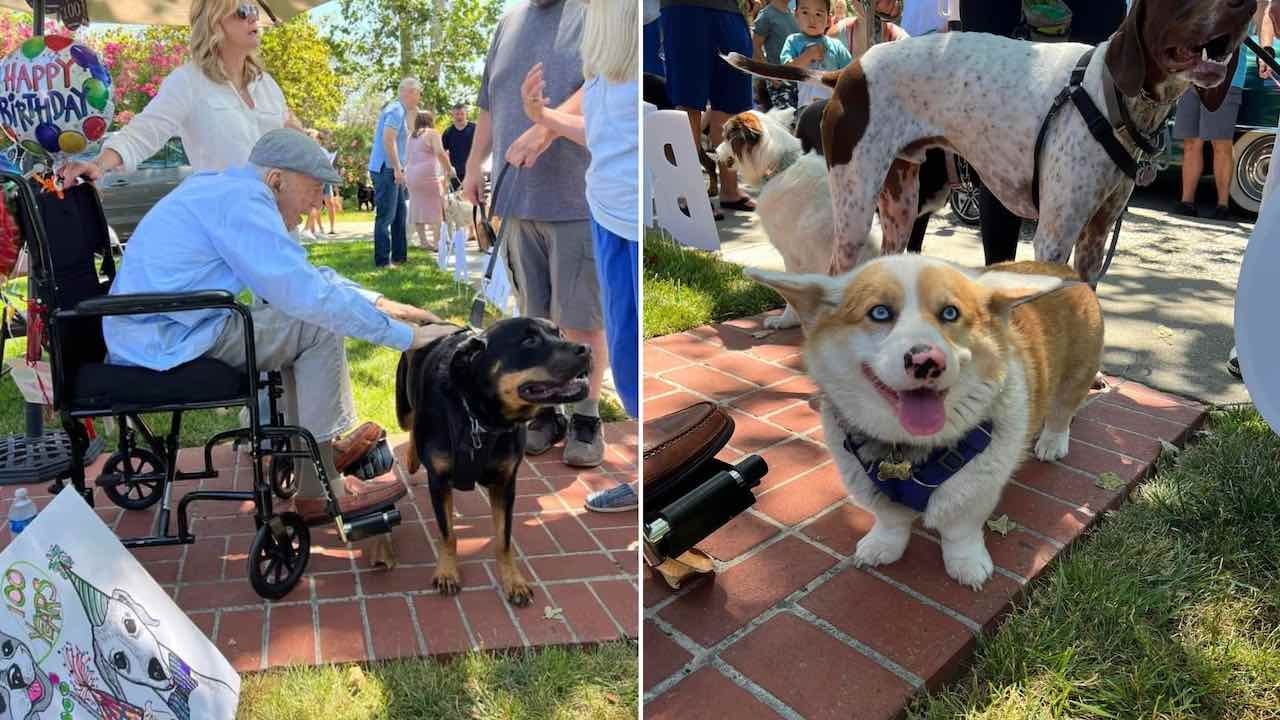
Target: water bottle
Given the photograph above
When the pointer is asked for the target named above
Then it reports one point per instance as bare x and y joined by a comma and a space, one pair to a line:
21, 512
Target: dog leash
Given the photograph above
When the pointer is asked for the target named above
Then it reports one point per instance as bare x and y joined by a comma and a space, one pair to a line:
486, 226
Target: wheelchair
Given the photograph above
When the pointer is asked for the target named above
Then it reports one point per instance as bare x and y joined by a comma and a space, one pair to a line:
71, 268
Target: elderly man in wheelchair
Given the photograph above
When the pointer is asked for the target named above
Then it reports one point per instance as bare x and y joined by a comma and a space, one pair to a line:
230, 231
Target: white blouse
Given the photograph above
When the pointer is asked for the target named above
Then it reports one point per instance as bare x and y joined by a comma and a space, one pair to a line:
217, 127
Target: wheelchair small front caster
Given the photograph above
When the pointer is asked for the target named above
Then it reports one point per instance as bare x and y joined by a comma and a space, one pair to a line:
284, 481
134, 481
278, 556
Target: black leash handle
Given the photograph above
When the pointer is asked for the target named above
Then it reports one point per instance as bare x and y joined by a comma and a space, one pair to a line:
1263, 55
478, 305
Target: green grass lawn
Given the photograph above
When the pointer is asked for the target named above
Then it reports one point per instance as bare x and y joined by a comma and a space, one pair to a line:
419, 282
554, 684
685, 288
350, 216
1171, 609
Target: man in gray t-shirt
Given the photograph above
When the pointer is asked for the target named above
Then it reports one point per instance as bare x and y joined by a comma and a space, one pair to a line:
542, 200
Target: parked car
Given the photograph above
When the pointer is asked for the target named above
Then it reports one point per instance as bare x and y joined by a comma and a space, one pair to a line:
126, 197
1255, 138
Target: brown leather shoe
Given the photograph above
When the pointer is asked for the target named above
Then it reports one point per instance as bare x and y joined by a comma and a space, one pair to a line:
361, 497
347, 450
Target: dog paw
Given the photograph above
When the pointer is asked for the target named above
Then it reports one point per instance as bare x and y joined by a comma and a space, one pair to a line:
518, 593
880, 548
970, 566
786, 320
447, 582
1053, 446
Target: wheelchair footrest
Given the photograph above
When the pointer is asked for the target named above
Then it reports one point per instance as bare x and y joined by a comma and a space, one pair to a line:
374, 522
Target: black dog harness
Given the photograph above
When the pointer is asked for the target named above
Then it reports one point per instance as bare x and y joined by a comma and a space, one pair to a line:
1099, 126
912, 484
471, 442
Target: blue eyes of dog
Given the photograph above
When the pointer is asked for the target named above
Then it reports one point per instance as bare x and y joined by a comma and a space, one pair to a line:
883, 313
880, 313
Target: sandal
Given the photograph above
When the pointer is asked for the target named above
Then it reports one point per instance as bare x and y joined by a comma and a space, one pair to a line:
742, 204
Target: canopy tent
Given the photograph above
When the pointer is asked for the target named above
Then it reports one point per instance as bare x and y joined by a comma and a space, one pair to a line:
165, 12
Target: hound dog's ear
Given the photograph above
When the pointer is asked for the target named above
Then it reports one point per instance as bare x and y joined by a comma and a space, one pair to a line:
1126, 54
743, 131
1214, 97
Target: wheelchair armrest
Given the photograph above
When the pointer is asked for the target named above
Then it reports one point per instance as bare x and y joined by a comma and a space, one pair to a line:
146, 303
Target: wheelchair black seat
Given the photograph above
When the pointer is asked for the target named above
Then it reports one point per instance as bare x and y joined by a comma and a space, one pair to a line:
99, 387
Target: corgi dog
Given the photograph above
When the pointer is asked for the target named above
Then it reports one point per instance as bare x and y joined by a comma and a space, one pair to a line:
936, 380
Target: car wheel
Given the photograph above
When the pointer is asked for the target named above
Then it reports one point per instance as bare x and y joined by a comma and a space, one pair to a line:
964, 199
1252, 153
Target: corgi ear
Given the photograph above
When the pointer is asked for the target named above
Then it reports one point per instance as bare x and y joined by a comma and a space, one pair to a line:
811, 295
1009, 290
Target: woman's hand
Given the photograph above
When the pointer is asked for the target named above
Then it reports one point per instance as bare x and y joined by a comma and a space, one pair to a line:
531, 94
69, 172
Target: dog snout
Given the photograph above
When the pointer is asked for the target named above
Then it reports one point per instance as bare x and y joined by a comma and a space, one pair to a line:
924, 362
155, 670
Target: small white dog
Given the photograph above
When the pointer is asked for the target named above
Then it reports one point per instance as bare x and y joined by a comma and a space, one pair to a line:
794, 203
935, 381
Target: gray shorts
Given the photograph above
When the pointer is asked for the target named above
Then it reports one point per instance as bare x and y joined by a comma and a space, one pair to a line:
1194, 120
553, 265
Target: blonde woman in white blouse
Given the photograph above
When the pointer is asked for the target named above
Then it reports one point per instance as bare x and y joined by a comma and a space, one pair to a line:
219, 102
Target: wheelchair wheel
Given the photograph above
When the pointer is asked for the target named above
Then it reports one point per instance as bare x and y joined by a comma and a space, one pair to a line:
134, 481
278, 556
284, 481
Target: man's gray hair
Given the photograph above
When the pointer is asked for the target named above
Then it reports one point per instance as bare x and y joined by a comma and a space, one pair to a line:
410, 84
261, 171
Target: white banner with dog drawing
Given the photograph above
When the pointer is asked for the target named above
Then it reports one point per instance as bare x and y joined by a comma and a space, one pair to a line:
89, 634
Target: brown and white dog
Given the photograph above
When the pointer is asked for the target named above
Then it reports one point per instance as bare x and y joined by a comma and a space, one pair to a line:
985, 98
793, 204
918, 359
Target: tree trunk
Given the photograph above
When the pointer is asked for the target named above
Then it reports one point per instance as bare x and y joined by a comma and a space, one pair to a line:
406, 44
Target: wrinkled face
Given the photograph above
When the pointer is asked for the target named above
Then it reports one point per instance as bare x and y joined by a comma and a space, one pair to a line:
128, 646
531, 364
909, 348
813, 16
240, 26
26, 687
1194, 39
295, 194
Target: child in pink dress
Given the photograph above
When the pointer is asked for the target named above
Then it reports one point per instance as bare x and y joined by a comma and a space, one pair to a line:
426, 168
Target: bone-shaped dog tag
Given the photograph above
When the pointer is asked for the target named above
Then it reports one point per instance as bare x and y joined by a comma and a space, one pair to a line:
890, 470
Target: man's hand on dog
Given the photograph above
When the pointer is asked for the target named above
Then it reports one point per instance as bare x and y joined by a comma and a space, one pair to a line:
407, 313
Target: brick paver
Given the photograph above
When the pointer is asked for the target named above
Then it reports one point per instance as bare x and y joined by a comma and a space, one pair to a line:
789, 627
582, 564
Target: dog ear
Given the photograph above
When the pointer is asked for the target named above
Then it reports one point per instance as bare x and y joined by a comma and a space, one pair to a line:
1009, 290
742, 131
810, 295
1126, 55
1214, 97
119, 595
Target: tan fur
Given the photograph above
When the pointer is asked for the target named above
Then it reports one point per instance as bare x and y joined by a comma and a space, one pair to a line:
514, 586
446, 579
509, 387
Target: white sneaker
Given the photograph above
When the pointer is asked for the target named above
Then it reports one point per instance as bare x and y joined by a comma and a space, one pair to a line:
306, 235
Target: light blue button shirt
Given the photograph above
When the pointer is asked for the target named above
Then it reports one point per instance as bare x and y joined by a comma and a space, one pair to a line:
392, 116
223, 231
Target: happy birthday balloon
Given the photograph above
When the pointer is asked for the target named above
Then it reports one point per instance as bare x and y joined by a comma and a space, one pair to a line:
55, 97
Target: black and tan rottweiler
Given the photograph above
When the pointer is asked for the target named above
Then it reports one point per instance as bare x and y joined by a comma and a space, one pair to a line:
465, 400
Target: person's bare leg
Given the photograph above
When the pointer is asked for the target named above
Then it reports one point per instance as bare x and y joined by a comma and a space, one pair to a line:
1223, 167
421, 230
1192, 167
333, 215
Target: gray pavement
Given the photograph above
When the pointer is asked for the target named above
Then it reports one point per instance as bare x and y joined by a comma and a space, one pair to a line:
1168, 298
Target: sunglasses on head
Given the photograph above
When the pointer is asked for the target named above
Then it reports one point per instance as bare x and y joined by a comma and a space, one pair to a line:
247, 11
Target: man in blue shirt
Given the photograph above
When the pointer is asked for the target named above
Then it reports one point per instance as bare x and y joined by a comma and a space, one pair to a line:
231, 231
386, 167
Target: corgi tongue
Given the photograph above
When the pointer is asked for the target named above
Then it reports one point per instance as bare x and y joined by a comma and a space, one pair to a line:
921, 412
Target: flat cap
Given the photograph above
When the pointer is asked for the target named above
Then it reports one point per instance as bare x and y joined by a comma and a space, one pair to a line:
289, 149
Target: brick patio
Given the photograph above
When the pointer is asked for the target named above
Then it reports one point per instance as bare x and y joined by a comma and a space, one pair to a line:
583, 563
789, 627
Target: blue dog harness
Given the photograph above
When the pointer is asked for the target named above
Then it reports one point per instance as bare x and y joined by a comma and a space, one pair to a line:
913, 484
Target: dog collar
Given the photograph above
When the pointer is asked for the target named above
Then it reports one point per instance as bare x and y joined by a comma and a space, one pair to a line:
912, 484
784, 164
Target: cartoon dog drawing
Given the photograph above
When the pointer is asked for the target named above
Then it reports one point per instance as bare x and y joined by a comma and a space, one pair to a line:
25, 690
127, 651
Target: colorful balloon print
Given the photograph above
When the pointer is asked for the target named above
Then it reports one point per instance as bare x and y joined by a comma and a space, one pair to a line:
56, 97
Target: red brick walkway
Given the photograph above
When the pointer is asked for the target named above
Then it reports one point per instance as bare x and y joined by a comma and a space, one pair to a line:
789, 627
582, 563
